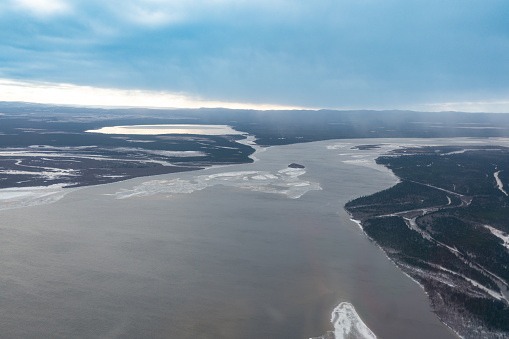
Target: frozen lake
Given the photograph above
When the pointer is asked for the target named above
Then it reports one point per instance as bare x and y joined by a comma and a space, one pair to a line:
168, 129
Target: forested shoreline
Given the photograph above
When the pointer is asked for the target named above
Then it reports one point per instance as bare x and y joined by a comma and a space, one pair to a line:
438, 225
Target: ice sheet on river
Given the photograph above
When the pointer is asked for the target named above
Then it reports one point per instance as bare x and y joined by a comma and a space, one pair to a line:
285, 182
16, 197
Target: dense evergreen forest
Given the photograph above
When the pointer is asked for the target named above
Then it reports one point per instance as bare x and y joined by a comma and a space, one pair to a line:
446, 224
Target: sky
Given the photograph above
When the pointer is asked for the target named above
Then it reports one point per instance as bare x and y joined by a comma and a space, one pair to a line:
263, 54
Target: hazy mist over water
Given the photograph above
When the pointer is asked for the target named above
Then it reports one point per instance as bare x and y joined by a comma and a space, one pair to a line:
226, 261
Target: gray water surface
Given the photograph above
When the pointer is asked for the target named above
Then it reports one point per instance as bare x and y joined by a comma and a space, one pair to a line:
226, 261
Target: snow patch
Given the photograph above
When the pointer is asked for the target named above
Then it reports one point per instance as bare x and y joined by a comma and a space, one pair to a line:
500, 185
499, 234
50, 173
358, 222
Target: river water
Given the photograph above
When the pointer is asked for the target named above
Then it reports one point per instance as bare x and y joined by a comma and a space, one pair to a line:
242, 251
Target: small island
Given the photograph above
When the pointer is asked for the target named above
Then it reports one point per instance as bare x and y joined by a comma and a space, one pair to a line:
294, 165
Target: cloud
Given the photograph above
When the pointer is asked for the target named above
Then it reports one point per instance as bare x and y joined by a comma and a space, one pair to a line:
160, 13
494, 106
152, 18
58, 93
42, 8
330, 54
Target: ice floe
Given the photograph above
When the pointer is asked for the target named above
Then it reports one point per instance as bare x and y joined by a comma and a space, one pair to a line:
174, 186
17, 197
347, 324
339, 145
284, 182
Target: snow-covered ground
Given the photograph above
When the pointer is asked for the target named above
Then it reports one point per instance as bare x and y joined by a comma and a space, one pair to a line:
500, 185
502, 235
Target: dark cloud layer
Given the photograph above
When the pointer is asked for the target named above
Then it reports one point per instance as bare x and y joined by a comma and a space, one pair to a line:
334, 54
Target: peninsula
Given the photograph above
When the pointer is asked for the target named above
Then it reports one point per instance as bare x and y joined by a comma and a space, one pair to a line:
445, 225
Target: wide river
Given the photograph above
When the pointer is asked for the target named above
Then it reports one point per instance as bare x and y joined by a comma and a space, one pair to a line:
242, 251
